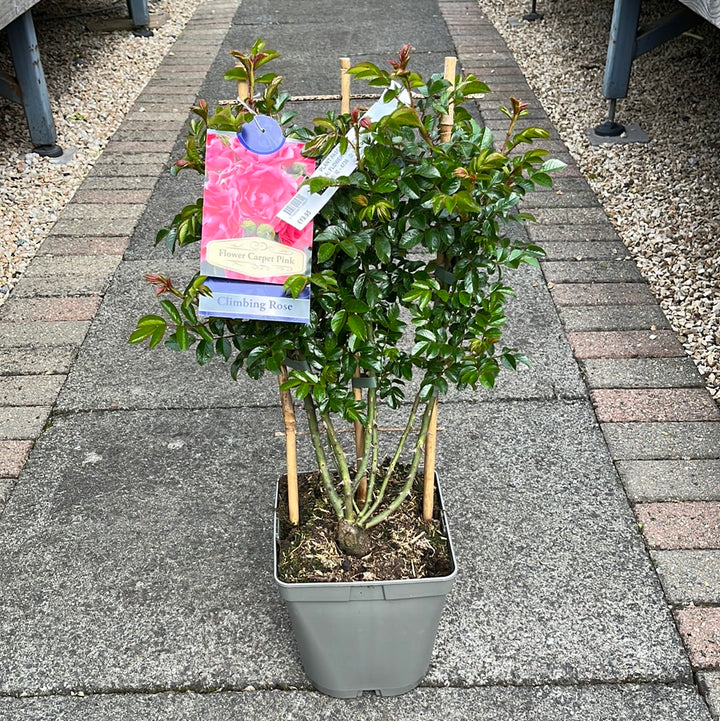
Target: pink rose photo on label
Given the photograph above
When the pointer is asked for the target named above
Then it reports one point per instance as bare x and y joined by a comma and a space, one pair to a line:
242, 237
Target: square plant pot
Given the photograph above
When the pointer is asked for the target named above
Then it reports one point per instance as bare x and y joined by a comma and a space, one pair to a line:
374, 636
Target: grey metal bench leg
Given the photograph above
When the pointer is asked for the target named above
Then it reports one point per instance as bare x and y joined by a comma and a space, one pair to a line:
626, 44
140, 17
620, 56
533, 14
33, 89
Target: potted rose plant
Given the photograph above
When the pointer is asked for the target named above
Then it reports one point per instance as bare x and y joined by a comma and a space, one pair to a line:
409, 286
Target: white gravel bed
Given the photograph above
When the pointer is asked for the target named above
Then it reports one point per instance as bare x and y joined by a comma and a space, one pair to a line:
93, 79
662, 197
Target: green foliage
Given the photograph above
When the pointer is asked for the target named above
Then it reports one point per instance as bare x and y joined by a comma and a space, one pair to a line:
410, 258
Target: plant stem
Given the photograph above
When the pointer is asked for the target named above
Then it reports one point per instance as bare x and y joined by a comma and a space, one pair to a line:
327, 480
419, 443
391, 467
367, 442
342, 467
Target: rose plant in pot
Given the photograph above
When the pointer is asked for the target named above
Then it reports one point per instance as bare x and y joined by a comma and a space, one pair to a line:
408, 289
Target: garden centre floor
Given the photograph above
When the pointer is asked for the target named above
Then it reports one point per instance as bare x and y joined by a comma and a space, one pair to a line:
137, 490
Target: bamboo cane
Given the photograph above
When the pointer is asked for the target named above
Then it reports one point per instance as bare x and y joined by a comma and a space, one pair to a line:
446, 126
288, 410
344, 85
429, 471
243, 90
446, 121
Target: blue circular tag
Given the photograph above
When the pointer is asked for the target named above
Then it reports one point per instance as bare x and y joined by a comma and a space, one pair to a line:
262, 135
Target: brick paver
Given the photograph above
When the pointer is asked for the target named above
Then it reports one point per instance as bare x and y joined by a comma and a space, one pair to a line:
30, 390
588, 294
56, 244
661, 404
20, 424
696, 479
700, 629
593, 271
21, 310
13, 455
612, 317
641, 373
689, 576
625, 344
692, 524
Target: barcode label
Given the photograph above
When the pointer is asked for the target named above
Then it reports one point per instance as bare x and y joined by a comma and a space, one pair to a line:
304, 205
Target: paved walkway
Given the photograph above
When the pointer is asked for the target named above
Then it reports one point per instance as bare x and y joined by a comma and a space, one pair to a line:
133, 485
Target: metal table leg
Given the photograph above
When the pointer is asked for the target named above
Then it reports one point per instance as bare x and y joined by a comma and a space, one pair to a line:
140, 16
626, 44
31, 87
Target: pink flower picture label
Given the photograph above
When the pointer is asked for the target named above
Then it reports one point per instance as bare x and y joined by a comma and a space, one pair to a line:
242, 237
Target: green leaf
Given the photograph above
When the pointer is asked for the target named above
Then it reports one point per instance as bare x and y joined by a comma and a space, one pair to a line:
325, 252
337, 323
552, 165
171, 310
426, 170
357, 326
204, 352
181, 335
148, 327
382, 248
224, 348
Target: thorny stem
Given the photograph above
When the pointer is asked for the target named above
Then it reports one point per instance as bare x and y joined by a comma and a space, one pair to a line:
366, 513
419, 443
368, 443
371, 441
339, 455
314, 427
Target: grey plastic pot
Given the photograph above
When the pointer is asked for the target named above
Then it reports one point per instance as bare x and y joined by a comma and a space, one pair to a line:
376, 636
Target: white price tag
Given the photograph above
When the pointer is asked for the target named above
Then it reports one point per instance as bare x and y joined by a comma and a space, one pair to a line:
304, 205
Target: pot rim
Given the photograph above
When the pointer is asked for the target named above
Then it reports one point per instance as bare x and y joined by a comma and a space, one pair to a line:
354, 584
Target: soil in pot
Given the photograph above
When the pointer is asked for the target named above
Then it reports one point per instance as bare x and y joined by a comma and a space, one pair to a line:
403, 547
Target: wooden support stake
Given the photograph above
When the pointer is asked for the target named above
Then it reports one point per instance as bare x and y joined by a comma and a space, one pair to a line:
288, 410
344, 85
361, 493
446, 122
243, 90
446, 127
429, 477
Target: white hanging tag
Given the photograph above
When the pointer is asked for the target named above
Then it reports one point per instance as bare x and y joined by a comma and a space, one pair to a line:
304, 205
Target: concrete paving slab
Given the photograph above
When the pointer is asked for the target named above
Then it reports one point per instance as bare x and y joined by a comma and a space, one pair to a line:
629, 702
142, 378
555, 583
159, 378
135, 547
